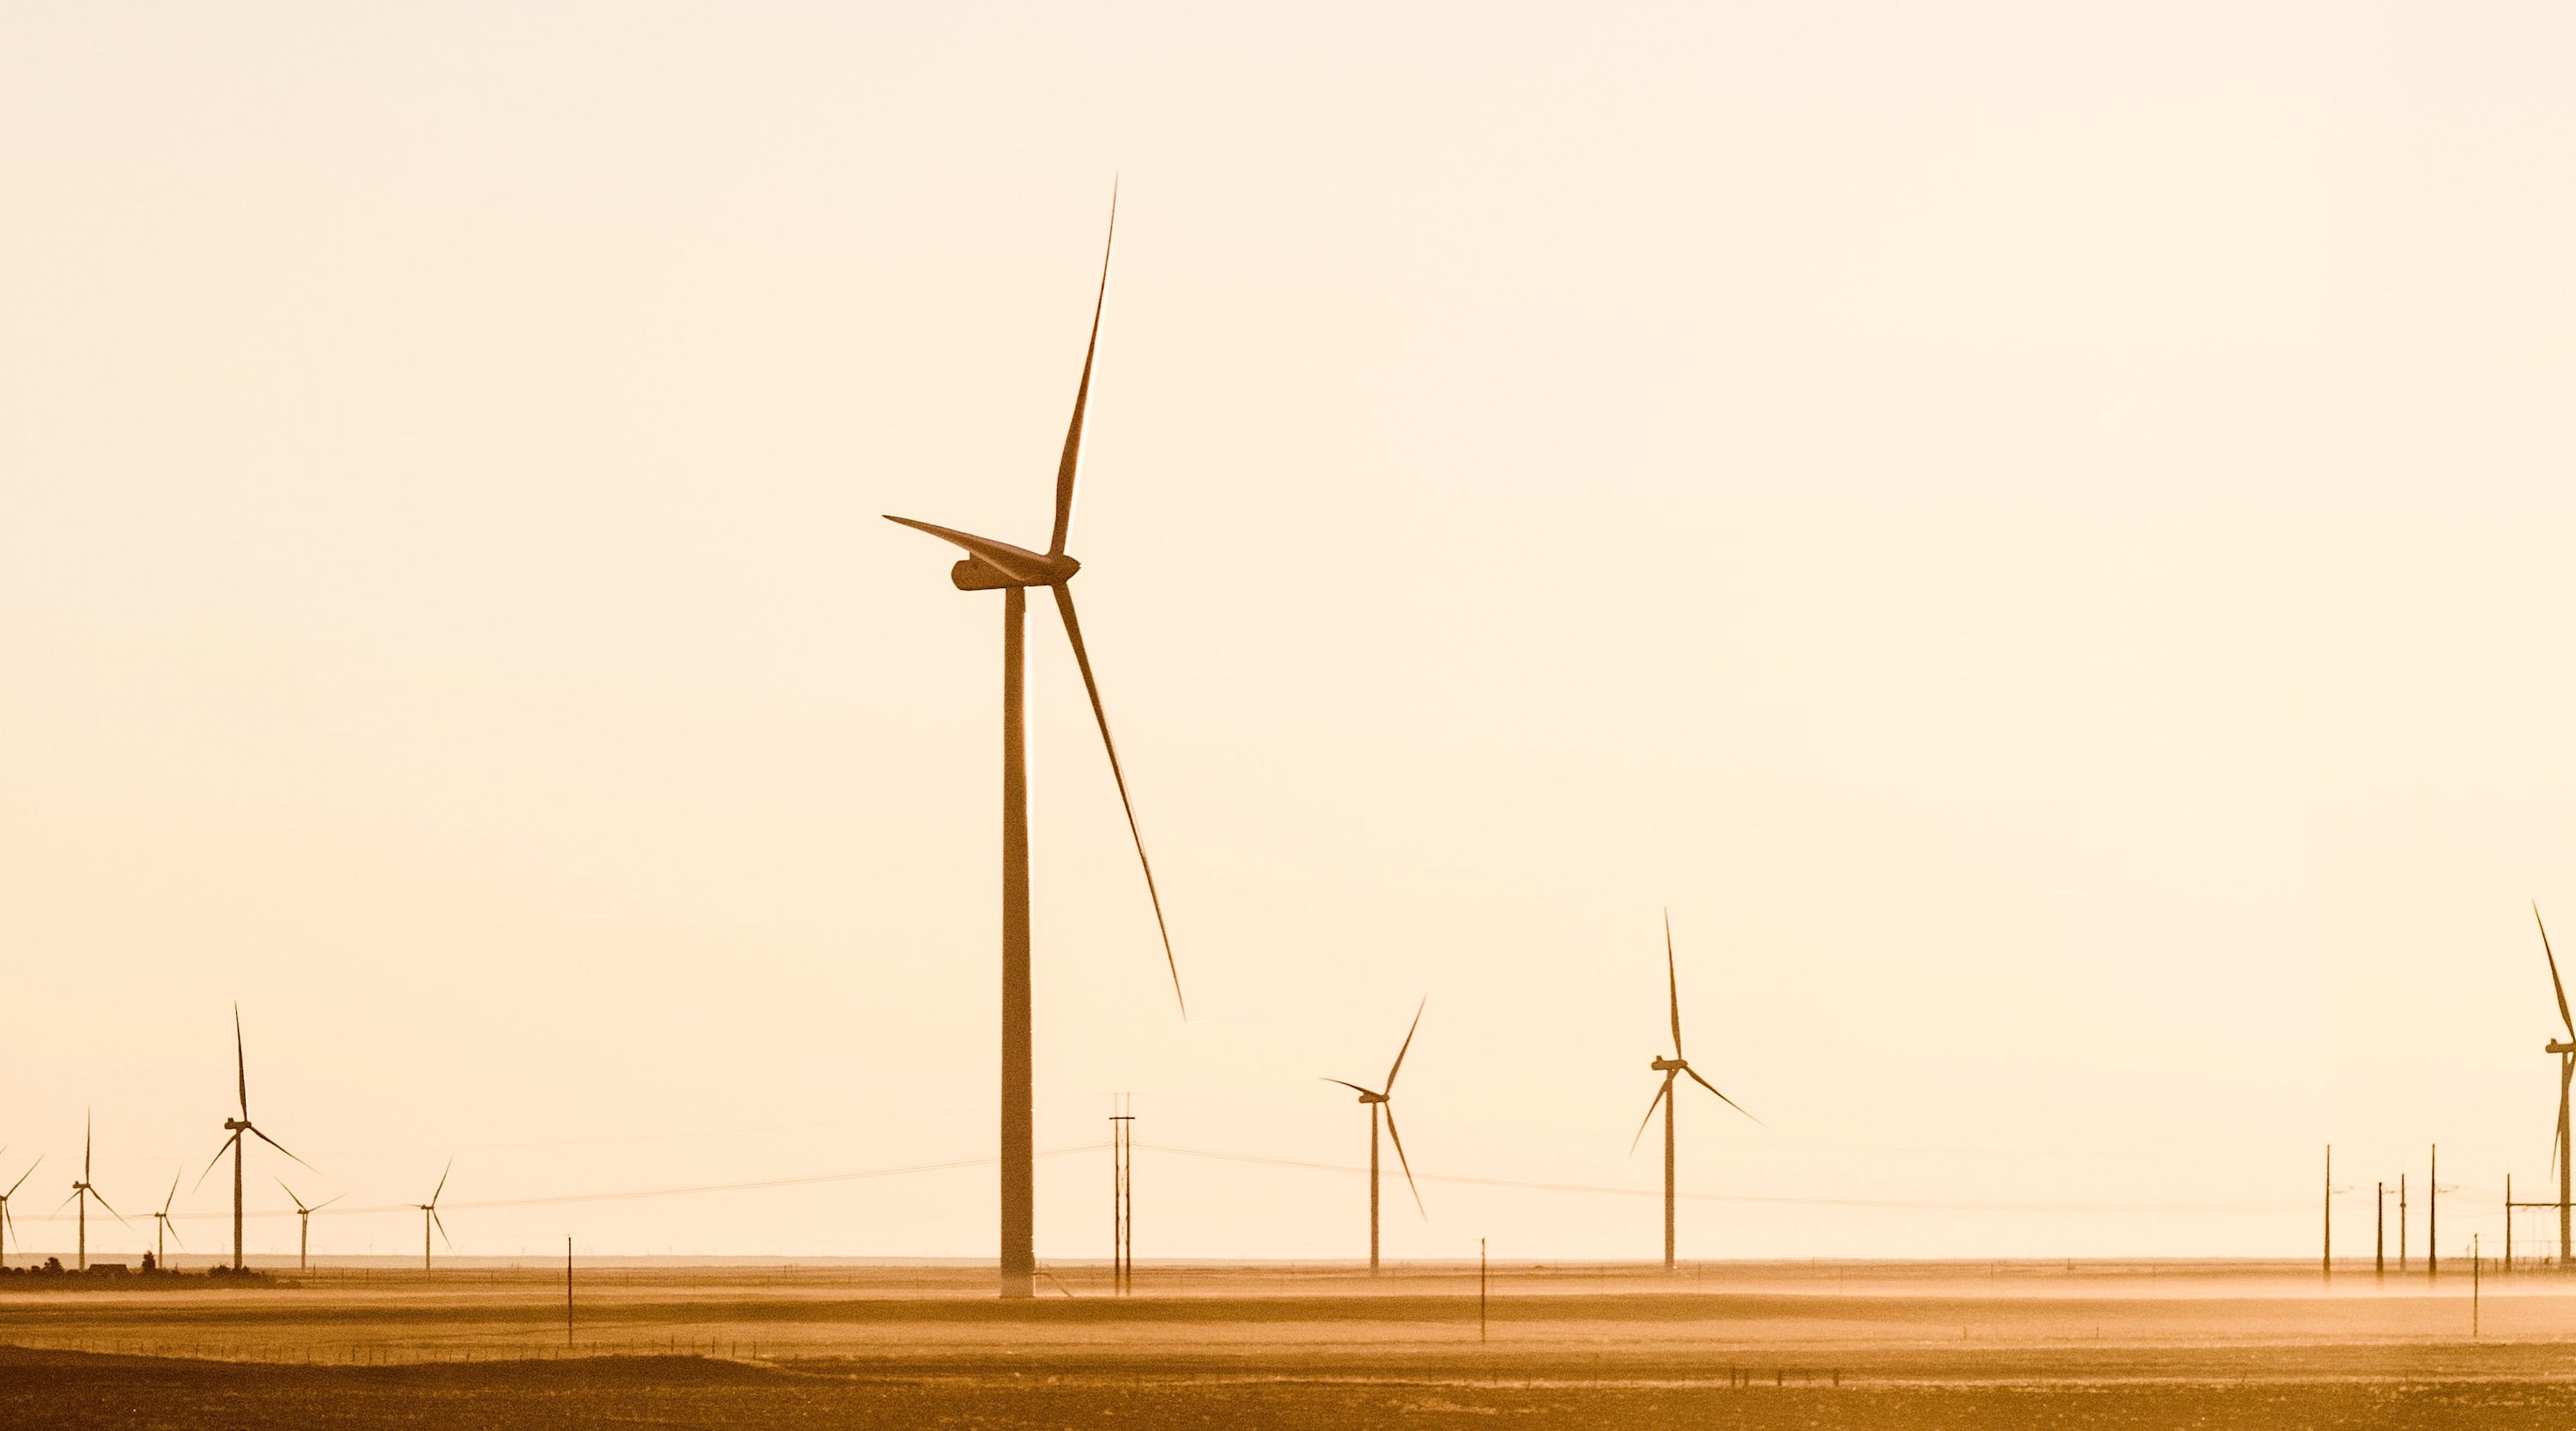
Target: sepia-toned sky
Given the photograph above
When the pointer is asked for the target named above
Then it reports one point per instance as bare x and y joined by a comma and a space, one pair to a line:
2041, 533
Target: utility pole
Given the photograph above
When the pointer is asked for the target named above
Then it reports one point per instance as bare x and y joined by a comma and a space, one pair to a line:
1122, 1196
2379, 1233
2433, 1218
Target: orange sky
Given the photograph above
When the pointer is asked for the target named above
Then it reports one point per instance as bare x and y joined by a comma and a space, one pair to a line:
2037, 531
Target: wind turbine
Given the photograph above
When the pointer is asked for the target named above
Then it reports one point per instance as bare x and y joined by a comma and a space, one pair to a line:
991, 565
429, 1218
1384, 1098
2566, 1050
1673, 1068
7, 1220
161, 1229
304, 1216
84, 1194
234, 1128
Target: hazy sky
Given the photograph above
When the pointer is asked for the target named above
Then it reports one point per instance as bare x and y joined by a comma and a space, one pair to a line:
2040, 532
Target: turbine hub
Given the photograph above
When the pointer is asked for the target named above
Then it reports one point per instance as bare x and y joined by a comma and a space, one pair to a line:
236, 1124
2555, 1046
1668, 1065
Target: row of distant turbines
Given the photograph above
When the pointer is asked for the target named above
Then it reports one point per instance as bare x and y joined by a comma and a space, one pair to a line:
994, 565
84, 1192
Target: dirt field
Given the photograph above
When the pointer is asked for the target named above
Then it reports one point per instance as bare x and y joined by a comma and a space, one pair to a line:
1750, 1346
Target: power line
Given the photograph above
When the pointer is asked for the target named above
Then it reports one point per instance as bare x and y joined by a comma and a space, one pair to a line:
1765, 1198
1264, 1160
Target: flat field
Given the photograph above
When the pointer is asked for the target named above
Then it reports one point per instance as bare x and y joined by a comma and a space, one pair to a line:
1751, 1345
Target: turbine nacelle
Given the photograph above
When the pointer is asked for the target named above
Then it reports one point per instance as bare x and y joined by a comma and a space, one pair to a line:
1669, 1065
2556, 1046
236, 1125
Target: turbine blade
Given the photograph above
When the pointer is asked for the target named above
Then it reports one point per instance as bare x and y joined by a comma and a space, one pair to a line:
1355, 1088
1082, 658
2555, 986
1408, 1045
281, 1147
440, 1223
89, 1123
22, 1177
173, 1229
1398, 1139
326, 1202
290, 1193
210, 1162
442, 1183
1711, 1087
1673, 981
241, 1064
66, 1202
1663, 1090
111, 1207
174, 1191
1018, 563
1067, 465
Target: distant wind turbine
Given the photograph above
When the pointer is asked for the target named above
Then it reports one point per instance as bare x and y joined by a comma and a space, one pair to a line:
1673, 1068
9, 1220
996, 565
2566, 1051
162, 1228
1384, 1098
429, 1218
304, 1218
234, 1128
84, 1194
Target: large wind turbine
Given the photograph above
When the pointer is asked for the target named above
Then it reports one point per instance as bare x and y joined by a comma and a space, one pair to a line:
2566, 1050
8, 1220
992, 565
429, 1218
84, 1194
234, 1128
304, 1220
1673, 1068
161, 1227
1384, 1098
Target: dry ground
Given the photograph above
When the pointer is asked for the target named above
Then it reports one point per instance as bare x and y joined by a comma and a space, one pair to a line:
1743, 1345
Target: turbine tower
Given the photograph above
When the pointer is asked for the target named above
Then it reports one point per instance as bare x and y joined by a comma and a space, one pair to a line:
991, 565
1673, 1068
1384, 1098
2566, 1050
234, 1128
84, 1194
9, 1220
304, 1219
162, 1229
429, 1218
